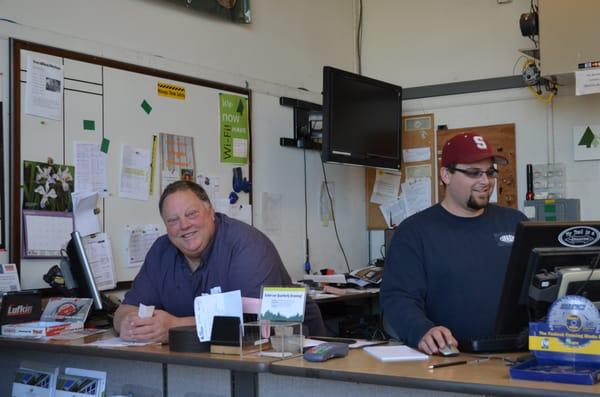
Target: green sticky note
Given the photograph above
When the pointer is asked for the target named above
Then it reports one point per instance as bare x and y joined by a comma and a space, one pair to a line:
146, 106
551, 218
89, 125
550, 208
104, 145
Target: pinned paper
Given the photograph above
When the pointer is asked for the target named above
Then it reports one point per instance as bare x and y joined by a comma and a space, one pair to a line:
418, 195
394, 212
99, 252
587, 81
9, 278
135, 173
177, 159
272, 204
417, 171
210, 184
44, 88
386, 186
140, 239
90, 164
416, 154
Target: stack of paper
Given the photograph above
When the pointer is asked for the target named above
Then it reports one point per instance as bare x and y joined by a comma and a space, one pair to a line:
395, 353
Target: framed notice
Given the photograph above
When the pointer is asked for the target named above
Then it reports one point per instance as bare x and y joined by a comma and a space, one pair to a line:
283, 304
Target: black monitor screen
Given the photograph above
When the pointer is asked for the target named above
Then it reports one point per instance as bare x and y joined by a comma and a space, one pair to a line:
362, 120
513, 315
82, 272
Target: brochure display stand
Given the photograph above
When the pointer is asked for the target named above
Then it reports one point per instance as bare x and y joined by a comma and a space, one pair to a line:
274, 339
278, 332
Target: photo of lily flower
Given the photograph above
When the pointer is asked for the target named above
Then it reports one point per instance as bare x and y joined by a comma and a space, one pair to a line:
48, 186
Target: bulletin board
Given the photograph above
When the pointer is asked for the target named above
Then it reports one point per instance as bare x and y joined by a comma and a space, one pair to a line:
502, 137
417, 135
104, 100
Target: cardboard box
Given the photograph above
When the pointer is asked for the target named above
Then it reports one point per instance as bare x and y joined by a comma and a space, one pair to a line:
60, 315
40, 329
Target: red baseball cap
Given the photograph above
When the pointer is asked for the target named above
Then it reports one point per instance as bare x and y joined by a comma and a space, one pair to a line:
469, 148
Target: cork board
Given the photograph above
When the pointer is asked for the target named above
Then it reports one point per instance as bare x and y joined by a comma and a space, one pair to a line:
417, 135
502, 137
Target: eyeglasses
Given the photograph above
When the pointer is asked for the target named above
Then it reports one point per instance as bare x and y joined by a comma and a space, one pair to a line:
189, 215
476, 173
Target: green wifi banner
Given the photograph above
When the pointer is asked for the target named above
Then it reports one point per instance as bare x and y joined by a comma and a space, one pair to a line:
233, 118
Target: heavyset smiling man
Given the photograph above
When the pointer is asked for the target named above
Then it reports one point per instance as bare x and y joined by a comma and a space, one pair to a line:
445, 267
202, 250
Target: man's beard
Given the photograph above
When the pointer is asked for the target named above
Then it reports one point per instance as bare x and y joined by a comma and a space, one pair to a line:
474, 205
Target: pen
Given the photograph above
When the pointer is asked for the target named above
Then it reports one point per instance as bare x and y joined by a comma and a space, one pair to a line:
460, 362
442, 365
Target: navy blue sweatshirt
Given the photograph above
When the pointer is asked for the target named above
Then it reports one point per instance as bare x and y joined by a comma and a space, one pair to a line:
446, 270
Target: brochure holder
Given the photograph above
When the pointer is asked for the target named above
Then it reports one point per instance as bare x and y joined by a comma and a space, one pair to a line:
77, 382
278, 332
35, 380
272, 339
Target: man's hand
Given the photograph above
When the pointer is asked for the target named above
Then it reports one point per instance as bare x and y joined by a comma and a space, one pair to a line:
436, 338
149, 329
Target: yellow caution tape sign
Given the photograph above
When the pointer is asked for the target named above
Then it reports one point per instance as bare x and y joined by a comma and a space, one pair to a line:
171, 90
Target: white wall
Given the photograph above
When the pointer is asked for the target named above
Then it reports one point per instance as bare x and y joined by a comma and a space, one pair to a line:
287, 43
283, 49
415, 43
424, 42
407, 42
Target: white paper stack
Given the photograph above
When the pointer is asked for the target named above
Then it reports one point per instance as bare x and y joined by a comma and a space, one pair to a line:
395, 353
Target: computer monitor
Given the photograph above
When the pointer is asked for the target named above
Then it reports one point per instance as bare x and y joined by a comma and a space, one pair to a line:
560, 271
81, 271
513, 312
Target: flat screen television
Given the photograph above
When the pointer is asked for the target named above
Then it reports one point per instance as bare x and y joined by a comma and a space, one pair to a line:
362, 120
579, 244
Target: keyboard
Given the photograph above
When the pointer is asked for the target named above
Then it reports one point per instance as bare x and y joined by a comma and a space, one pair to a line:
494, 344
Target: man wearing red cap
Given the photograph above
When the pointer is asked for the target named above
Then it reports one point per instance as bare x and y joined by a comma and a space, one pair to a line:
445, 265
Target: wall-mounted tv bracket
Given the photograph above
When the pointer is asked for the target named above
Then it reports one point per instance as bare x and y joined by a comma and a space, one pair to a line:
308, 124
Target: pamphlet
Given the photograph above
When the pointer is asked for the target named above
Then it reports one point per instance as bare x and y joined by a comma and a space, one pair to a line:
283, 304
206, 307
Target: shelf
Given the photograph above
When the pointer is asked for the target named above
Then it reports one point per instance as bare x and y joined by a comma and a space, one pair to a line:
303, 113
531, 52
